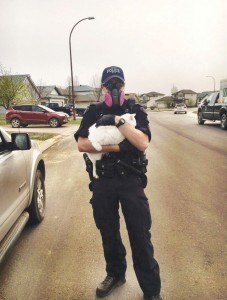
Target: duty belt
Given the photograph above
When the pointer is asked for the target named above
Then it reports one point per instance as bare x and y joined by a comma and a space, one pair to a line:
109, 169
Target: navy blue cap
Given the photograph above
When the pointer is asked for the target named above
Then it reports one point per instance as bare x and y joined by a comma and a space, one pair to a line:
112, 72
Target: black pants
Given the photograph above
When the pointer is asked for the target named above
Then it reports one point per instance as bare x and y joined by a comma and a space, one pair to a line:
107, 193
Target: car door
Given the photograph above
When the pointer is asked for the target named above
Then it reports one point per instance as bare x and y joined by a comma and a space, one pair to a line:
207, 107
14, 185
25, 113
217, 107
38, 114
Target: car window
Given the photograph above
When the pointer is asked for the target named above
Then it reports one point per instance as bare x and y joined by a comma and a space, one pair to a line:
209, 98
23, 107
46, 108
17, 107
36, 108
216, 97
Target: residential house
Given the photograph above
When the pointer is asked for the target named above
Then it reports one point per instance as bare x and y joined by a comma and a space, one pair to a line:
149, 99
164, 102
84, 94
51, 94
132, 96
188, 97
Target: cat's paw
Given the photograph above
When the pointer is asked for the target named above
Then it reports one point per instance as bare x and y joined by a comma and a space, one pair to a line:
97, 146
95, 176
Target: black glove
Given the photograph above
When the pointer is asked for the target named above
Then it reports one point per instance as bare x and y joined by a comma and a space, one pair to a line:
106, 120
126, 146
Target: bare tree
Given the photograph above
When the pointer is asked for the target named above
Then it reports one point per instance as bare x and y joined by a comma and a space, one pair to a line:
174, 89
96, 84
12, 88
68, 90
41, 87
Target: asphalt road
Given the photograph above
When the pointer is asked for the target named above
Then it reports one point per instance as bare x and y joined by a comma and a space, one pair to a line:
62, 258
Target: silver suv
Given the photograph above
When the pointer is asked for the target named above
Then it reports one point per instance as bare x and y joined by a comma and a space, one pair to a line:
22, 187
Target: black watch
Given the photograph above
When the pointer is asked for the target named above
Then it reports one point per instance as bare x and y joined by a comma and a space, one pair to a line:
121, 122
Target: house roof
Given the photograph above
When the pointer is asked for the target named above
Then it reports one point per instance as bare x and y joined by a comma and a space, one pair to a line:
166, 98
153, 94
80, 88
185, 92
77, 89
83, 88
46, 90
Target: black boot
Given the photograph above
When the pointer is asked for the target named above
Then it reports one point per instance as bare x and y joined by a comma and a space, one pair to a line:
156, 297
108, 284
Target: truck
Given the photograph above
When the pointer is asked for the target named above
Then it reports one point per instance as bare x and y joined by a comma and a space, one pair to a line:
214, 108
79, 110
57, 107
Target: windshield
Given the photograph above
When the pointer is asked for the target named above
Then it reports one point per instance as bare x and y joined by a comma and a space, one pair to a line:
46, 108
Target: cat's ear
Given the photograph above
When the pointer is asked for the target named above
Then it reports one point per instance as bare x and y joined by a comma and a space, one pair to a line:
132, 116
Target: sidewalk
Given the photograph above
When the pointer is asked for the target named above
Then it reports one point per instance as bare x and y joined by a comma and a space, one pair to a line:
44, 145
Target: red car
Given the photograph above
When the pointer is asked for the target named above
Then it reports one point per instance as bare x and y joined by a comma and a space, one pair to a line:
22, 115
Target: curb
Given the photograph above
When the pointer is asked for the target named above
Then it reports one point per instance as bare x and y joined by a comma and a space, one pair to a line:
44, 145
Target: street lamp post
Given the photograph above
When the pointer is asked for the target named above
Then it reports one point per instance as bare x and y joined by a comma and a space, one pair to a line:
213, 80
71, 65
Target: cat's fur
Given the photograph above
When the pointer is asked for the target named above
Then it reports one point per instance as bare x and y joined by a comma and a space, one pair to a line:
106, 135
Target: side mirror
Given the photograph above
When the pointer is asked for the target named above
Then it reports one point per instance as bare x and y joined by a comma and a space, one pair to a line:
20, 141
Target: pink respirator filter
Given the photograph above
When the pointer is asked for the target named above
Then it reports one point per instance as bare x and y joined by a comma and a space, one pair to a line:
108, 99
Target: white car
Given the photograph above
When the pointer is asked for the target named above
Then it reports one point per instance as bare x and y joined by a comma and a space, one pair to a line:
22, 187
180, 108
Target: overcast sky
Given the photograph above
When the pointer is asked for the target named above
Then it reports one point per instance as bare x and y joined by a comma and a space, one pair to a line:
158, 43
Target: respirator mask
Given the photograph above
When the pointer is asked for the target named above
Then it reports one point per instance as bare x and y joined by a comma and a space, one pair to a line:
114, 96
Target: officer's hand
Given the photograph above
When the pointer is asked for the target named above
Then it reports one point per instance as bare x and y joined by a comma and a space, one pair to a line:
106, 120
126, 146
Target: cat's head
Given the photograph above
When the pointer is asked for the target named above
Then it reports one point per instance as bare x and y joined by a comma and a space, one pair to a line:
130, 118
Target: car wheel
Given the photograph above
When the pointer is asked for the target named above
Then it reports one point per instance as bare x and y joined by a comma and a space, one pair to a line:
200, 118
37, 207
15, 122
54, 122
223, 121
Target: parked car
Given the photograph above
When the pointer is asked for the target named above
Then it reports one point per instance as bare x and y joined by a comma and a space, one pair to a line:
79, 110
22, 186
180, 108
22, 115
214, 108
57, 107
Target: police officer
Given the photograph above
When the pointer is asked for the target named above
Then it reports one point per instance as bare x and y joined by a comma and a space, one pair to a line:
121, 180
